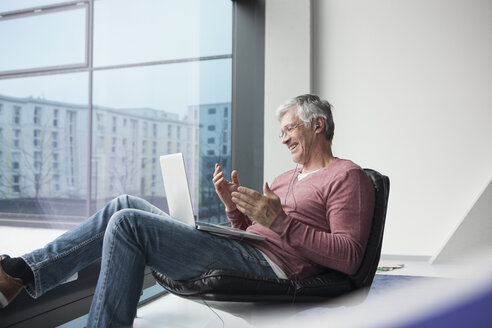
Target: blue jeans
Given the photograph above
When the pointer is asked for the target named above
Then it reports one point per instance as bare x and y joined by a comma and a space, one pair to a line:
129, 233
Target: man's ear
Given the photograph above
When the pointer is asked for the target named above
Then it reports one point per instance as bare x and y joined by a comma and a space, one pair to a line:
319, 125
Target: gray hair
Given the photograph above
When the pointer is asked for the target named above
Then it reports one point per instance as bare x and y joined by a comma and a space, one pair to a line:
310, 107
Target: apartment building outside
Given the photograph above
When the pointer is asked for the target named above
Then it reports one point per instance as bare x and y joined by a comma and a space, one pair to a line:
44, 147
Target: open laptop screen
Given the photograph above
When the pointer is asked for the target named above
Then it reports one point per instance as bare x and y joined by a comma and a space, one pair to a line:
177, 190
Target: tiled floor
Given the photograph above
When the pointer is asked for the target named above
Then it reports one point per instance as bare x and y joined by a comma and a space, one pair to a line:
173, 311
420, 266
396, 306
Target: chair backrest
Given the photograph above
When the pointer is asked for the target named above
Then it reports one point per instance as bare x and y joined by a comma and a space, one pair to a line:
365, 275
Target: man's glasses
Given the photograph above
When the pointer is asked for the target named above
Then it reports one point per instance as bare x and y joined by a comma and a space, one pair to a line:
288, 129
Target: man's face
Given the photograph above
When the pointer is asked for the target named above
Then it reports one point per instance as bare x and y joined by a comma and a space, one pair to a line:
295, 137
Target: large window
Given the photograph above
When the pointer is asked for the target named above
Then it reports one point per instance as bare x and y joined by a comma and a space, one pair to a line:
92, 92
86, 110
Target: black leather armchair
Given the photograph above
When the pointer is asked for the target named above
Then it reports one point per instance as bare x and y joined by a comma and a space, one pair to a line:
225, 285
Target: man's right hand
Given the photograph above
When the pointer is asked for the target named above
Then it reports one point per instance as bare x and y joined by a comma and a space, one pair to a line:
224, 188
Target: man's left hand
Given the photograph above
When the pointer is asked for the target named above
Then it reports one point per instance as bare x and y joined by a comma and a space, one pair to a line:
261, 208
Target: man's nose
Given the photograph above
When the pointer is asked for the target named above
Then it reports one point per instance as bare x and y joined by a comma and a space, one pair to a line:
285, 138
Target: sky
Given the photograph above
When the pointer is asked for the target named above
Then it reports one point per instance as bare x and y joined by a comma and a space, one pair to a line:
125, 32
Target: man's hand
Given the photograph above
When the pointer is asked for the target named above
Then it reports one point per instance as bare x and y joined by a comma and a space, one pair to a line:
224, 188
261, 208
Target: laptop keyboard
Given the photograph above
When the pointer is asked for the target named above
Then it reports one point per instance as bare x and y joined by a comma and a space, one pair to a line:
220, 226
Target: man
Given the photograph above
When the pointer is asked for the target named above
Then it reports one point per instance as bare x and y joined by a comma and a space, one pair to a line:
314, 217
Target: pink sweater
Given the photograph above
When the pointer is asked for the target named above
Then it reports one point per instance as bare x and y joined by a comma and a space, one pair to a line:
325, 221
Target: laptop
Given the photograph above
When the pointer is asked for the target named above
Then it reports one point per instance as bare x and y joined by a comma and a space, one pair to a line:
179, 199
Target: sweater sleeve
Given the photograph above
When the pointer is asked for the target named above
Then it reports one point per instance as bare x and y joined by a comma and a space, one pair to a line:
349, 208
238, 219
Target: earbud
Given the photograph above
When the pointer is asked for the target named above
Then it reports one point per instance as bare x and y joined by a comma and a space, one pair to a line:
317, 126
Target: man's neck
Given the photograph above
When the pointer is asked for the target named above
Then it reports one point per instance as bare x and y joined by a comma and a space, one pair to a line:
319, 159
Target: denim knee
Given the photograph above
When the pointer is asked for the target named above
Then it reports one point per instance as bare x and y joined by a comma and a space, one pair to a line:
116, 219
125, 225
123, 199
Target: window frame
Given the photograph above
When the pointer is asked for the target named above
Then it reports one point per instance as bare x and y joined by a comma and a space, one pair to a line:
248, 91
46, 10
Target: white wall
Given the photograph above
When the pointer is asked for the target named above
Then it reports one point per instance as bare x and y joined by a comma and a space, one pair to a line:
411, 83
287, 72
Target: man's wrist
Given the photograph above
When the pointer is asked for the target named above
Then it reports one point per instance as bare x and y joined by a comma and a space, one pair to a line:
230, 209
280, 223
